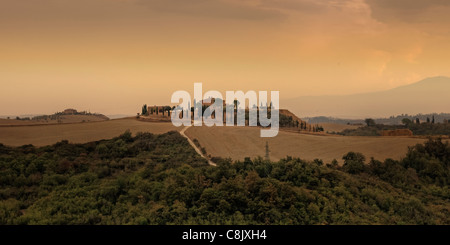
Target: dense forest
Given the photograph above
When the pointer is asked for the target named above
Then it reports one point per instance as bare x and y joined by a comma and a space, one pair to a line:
159, 179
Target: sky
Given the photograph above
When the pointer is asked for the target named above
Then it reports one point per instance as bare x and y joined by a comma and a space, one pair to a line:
112, 56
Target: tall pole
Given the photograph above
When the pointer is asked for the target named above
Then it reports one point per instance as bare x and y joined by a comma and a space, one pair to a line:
267, 151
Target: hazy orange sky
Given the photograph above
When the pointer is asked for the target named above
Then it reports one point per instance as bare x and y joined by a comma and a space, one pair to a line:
112, 56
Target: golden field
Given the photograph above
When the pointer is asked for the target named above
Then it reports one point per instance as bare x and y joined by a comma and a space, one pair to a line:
60, 119
234, 142
40, 135
240, 142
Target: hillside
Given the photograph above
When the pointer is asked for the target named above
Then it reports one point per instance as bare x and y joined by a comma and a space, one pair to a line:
290, 114
161, 180
240, 142
392, 120
66, 116
234, 142
427, 96
41, 135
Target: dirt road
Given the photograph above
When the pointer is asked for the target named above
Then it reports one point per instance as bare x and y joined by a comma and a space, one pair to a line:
195, 147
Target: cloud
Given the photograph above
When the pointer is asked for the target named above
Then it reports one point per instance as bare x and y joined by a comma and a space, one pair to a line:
242, 10
403, 10
333, 12
310, 6
84, 10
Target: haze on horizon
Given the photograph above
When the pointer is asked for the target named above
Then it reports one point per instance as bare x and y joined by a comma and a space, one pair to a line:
111, 56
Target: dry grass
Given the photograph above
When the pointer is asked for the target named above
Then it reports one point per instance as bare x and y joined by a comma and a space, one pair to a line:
234, 142
14, 122
78, 132
334, 127
240, 142
61, 119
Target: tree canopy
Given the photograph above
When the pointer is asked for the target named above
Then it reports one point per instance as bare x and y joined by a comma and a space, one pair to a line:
160, 179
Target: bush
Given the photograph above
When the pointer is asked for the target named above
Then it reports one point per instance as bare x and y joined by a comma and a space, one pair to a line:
160, 179
354, 163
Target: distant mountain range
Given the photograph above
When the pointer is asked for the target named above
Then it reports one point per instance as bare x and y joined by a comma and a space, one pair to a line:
430, 95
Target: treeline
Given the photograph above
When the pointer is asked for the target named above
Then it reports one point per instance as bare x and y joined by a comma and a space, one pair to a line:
289, 122
392, 120
150, 110
373, 128
429, 128
59, 115
159, 179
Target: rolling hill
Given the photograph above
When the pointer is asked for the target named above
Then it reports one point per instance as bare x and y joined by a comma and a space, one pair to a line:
240, 142
47, 134
66, 116
427, 96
